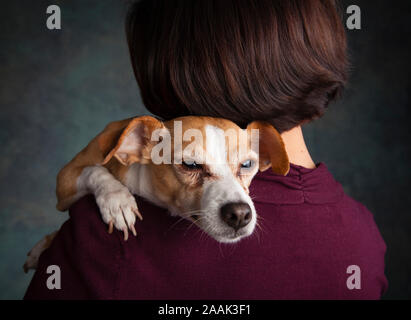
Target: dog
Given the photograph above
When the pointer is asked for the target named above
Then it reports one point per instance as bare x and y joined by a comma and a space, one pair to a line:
189, 165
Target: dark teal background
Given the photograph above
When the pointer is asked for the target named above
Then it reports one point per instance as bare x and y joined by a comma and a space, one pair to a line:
60, 88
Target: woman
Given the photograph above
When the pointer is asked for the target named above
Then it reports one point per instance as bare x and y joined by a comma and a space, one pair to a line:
282, 61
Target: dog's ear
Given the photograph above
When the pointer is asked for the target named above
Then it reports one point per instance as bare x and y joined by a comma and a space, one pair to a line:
134, 144
272, 151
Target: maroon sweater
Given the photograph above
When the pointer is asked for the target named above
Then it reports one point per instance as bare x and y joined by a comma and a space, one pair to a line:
311, 232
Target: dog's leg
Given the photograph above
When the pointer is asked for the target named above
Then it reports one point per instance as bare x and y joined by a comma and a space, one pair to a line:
99, 168
117, 206
94, 154
34, 254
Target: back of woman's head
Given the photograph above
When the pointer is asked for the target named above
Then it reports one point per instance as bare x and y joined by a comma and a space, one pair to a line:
281, 61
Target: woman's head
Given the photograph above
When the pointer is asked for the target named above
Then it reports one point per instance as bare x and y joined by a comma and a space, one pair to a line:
281, 61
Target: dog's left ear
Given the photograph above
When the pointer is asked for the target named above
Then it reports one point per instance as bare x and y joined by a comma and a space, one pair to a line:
272, 151
134, 144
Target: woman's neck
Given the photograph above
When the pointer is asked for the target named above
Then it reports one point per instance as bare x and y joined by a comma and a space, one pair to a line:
296, 148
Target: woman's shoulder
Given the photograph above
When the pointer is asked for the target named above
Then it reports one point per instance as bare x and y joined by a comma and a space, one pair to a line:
87, 257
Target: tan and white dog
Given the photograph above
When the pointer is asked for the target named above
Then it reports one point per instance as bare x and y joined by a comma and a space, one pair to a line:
199, 168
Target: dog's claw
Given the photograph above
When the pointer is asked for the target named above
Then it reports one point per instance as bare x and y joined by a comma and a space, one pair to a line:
110, 227
125, 230
133, 230
137, 213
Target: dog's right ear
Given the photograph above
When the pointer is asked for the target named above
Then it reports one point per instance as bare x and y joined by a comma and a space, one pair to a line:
134, 144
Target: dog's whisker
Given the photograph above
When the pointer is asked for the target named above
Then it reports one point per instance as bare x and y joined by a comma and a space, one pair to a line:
185, 216
181, 219
259, 232
202, 234
221, 250
205, 232
194, 223
258, 225
193, 211
256, 235
260, 229
260, 218
260, 222
188, 214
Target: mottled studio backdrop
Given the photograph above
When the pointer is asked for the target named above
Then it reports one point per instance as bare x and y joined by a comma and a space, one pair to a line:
58, 89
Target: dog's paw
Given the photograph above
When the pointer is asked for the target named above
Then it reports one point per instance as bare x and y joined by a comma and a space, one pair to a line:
118, 208
34, 255
31, 261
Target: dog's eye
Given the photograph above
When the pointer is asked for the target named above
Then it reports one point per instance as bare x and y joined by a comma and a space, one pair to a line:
247, 164
192, 165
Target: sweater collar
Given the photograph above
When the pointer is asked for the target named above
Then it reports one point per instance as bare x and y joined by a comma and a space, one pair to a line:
301, 185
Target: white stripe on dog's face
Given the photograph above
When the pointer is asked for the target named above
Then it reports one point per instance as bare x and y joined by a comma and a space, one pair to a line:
216, 151
223, 189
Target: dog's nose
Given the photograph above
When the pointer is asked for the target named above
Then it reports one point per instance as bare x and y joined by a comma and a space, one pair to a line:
236, 215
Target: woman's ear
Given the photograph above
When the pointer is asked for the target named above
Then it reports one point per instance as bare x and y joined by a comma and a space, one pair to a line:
135, 144
272, 151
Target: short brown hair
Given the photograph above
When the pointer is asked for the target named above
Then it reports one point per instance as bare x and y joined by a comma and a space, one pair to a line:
281, 61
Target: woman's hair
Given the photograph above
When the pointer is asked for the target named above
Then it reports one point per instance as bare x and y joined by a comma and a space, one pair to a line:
281, 61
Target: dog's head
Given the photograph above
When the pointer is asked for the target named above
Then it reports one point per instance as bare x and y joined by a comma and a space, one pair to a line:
201, 168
